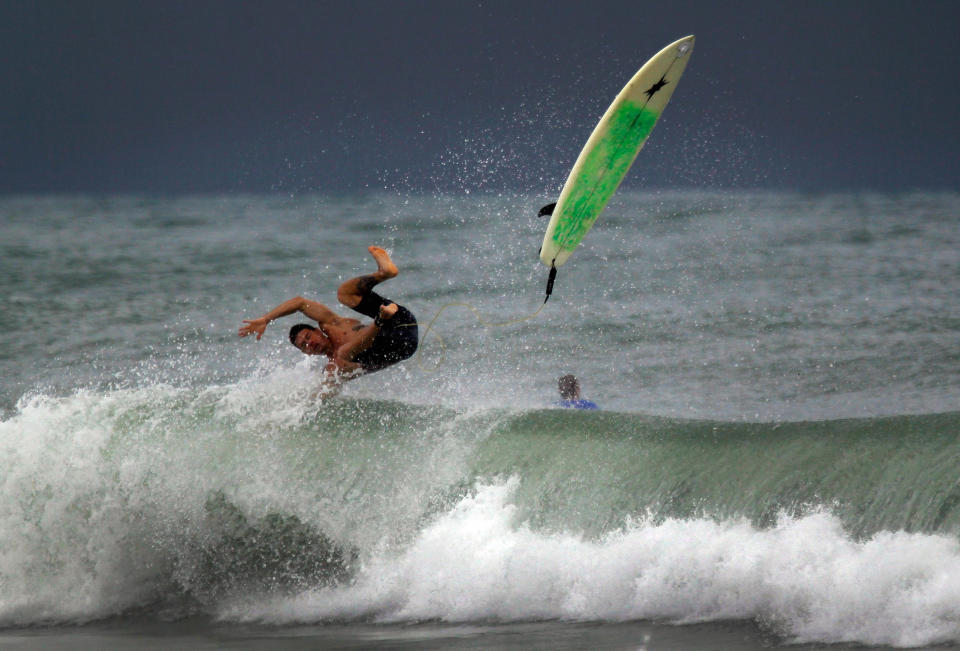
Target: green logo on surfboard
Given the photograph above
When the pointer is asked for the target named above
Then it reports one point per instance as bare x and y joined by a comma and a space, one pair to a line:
602, 170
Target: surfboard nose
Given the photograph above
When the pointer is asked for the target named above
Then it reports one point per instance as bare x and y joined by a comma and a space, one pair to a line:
685, 45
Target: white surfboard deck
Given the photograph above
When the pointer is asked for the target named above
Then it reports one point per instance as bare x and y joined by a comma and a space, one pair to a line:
611, 150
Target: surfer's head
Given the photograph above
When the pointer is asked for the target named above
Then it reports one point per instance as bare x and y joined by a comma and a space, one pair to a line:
569, 387
310, 340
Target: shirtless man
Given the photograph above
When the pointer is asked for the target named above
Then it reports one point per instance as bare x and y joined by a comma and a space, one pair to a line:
351, 347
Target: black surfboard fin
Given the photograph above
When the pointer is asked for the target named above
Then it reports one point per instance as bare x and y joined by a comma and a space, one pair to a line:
547, 209
550, 279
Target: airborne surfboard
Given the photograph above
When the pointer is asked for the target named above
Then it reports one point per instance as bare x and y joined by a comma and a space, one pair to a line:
610, 151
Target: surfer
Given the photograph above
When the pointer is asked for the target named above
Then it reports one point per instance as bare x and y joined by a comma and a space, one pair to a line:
570, 394
351, 347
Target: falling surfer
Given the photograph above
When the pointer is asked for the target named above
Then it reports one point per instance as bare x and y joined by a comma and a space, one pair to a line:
352, 348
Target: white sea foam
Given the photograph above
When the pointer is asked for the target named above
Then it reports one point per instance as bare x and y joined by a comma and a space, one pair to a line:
71, 547
104, 507
113, 500
806, 578
102, 495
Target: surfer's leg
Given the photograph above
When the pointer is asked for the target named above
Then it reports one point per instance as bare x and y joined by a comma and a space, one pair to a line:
352, 292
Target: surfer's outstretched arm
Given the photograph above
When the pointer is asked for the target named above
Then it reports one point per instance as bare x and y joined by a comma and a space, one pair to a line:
313, 309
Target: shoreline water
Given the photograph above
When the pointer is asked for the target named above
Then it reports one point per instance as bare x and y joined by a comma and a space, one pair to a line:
202, 633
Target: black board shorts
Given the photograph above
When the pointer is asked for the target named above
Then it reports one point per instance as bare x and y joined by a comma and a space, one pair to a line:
397, 339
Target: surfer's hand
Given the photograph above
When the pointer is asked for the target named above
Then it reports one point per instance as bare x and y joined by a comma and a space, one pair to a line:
254, 326
387, 311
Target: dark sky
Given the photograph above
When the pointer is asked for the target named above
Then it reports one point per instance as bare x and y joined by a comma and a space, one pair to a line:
275, 96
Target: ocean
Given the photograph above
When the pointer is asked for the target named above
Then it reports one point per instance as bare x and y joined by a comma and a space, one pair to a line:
775, 461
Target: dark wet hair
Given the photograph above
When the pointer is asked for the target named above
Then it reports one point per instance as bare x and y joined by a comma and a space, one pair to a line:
295, 330
568, 387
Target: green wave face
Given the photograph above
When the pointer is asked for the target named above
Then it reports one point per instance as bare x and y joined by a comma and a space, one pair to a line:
604, 168
588, 471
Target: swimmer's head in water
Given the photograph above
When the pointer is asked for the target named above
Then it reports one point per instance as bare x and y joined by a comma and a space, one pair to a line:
569, 387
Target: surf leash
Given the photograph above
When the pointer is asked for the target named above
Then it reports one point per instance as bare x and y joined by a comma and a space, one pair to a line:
551, 277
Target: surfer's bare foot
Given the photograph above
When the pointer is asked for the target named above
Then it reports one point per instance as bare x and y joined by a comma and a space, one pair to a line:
351, 292
385, 267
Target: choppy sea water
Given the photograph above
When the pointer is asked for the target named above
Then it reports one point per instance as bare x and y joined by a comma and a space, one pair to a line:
779, 377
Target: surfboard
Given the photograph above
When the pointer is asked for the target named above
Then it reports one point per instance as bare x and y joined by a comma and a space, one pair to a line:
611, 150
